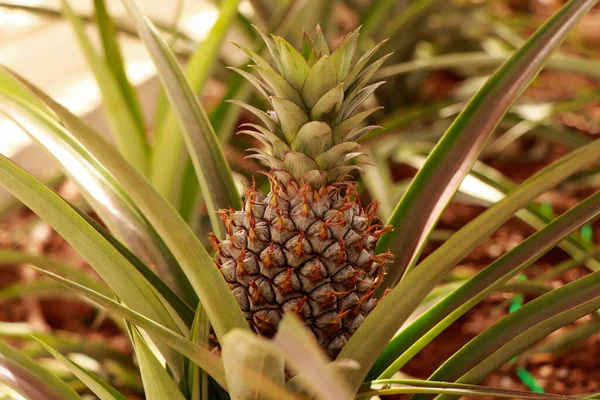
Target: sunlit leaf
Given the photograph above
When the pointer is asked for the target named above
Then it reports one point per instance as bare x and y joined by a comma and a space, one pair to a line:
129, 134
434, 185
216, 181
30, 379
100, 388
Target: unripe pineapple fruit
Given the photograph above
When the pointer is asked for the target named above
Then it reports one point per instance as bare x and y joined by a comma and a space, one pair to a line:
308, 245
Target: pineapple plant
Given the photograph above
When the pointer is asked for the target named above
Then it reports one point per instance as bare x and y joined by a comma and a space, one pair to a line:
308, 245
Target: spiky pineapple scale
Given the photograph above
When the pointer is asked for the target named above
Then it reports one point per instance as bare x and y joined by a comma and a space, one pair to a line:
308, 245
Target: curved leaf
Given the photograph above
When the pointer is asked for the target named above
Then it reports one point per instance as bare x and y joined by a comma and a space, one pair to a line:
168, 148
434, 185
158, 384
216, 181
307, 359
384, 321
106, 195
114, 269
488, 185
129, 134
184, 310
100, 388
30, 379
202, 357
420, 332
208, 283
408, 386
520, 329
244, 351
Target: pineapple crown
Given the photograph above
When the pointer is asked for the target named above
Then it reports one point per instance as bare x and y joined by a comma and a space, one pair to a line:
316, 97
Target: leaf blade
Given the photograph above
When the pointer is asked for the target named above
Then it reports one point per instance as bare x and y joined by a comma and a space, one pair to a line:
100, 388
216, 181
379, 327
31, 379
130, 136
433, 186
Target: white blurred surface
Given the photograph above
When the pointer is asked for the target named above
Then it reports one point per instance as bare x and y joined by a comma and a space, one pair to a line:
45, 52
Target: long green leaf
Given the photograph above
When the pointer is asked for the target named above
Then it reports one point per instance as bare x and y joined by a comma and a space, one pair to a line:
8, 257
129, 135
114, 269
196, 382
158, 385
420, 332
114, 59
520, 329
216, 181
30, 379
244, 351
385, 320
208, 283
434, 185
184, 310
65, 342
484, 180
408, 386
100, 388
106, 195
559, 62
202, 357
308, 360
168, 149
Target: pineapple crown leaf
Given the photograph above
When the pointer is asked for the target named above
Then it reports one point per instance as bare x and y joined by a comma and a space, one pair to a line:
316, 96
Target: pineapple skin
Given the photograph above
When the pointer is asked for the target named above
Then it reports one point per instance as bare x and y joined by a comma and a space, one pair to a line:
308, 245
303, 250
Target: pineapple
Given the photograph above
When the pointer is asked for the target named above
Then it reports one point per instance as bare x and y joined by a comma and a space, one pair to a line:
308, 245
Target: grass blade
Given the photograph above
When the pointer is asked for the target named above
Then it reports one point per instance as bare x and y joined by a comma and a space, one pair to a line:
202, 357
12, 257
105, 193
158, 385
560, 62
420, 332
385, 320
244, 351
129, 135
169, 144
408, 386
216, 181
100, 388
114, 59
30, 379
114, 269
521, 329
434, 185
208, 283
